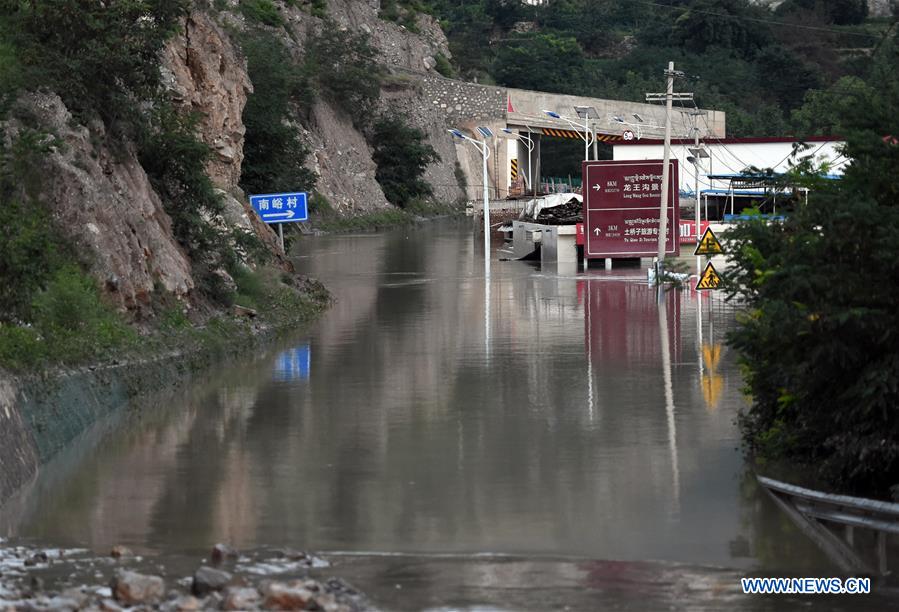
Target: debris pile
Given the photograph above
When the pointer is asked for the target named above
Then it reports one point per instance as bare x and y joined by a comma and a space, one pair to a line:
556, 209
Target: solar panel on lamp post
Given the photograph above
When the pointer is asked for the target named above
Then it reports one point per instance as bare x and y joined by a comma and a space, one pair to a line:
588, 137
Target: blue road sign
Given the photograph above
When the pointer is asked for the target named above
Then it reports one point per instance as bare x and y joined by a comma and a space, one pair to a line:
281, 207
293, 364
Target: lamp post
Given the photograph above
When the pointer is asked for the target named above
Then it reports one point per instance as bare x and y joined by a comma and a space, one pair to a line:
485, 153
588, 135
641, 123
530, 145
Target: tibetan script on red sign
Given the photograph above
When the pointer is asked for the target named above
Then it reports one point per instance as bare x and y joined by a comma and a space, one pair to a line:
621, 208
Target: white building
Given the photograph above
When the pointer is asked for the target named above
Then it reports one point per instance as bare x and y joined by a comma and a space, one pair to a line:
733, 156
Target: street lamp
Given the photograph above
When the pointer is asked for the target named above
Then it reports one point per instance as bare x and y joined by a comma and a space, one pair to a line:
485, 152
530, 145
588, 135
641, 123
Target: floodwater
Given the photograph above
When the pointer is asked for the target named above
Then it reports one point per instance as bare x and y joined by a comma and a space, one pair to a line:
546, 413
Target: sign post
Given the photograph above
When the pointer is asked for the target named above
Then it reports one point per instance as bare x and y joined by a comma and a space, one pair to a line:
622, 202
708, 245
280, 208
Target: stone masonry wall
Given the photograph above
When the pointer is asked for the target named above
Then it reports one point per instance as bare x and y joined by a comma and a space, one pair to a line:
461, 101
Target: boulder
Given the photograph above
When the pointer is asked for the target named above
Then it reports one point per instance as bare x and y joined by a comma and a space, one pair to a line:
131, 588
241, 598
207, 580
293, 596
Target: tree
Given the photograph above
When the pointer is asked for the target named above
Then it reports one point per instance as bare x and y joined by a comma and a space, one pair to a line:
823, 110
343, 64
402, 157
840, 12
544, 62
819, 334
273, 153
719, 23
100, 57
785, 75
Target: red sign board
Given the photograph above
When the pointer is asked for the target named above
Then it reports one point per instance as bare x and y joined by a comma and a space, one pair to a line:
621, 208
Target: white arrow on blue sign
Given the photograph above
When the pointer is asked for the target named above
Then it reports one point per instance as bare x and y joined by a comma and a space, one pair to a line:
281, 207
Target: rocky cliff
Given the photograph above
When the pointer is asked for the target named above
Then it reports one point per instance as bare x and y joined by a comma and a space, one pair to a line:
102, 201
209, 75
105, 203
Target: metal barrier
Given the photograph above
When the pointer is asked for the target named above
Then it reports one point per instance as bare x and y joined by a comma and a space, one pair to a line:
810, 509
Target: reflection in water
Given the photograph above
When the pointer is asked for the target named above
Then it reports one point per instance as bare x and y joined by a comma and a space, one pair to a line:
424, 431
293, 364
669, 399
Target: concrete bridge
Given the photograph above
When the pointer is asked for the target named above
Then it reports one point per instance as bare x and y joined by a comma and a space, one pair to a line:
467, 105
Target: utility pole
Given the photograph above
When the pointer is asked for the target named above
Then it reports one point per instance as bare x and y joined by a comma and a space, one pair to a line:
669, 96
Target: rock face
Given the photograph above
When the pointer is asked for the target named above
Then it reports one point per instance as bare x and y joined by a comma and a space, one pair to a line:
207, 76
103, 201
396, 45
340, 154
102, 198
341, 158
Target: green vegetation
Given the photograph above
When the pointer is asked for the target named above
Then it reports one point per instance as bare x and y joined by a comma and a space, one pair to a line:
338, 65
101, 58
819, 335
103, 61
273, 153
413, 213
261, 11
341, 66
444, 67
175, 162
738, 56
402, 12
70, 324
402, 157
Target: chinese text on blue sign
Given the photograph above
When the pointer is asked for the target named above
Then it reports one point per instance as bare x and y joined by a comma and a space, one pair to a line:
281, 207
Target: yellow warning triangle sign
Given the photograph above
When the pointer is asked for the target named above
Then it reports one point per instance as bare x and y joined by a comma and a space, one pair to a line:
708, 244
710, 279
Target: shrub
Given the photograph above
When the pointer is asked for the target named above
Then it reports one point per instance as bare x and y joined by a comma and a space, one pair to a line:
343, 65
819, 338
29, 246
273, 152
100, 57
70, 324
28, 250
402, 157
175, 161
444, 67
261, 11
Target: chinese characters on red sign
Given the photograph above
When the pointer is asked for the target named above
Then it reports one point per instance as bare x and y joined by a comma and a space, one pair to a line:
621, 208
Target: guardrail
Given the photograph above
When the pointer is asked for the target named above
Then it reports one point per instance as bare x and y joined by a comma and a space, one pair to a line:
810, 510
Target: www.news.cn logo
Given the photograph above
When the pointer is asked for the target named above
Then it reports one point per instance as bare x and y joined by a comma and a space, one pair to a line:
809, 586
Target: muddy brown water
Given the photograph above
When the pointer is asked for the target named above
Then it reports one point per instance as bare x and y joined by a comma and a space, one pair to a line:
540, 413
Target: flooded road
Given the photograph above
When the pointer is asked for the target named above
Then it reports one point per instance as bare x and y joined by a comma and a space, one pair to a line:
540, 412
